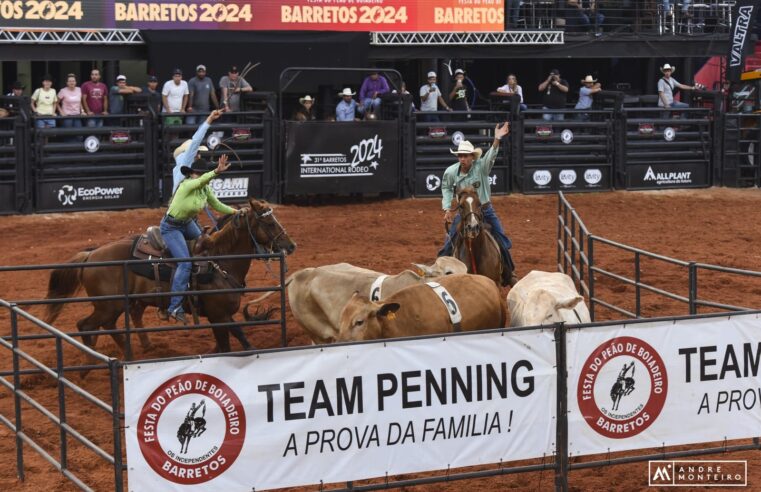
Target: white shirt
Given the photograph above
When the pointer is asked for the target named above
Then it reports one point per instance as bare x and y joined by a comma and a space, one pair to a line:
432, 103
174, 94
507, 90
668, 90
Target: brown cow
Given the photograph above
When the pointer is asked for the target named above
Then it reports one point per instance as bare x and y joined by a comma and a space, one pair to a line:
418, 310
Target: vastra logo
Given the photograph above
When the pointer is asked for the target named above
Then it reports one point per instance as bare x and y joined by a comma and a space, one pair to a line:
622, 387
191, 429
592, 176
567, 177
432, 182
542, 177
230, 187
67, 195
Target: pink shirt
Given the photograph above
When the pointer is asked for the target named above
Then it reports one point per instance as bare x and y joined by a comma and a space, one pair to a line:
71, 100
94, 94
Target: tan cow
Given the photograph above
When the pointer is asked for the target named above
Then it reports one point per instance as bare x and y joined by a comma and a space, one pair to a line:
421, 310
317, 295
544, 298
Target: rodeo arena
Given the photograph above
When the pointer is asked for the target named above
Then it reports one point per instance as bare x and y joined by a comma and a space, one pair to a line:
354, 245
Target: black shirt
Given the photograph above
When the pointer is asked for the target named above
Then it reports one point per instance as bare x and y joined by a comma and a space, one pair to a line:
553, 97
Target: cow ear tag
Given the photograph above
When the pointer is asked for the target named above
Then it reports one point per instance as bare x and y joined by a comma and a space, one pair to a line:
391, 315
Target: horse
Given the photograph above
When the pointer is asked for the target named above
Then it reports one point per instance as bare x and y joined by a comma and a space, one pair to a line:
623, 386
192, 426
258, 229
474, 245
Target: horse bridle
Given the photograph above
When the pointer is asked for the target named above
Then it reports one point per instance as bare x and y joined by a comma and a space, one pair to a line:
464, 216
251, 232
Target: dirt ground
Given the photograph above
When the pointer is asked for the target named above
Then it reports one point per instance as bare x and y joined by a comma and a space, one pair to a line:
718, 226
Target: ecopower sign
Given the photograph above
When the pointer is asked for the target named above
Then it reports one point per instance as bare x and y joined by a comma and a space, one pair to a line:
338, 413
90, 194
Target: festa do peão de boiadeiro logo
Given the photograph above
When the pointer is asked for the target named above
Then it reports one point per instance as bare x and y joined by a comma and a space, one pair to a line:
622, 387
191, 429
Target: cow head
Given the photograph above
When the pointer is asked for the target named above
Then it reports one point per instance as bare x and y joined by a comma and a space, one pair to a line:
542, 308
444, 265
363, 319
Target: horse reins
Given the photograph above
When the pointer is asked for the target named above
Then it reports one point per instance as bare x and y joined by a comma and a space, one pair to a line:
469, 240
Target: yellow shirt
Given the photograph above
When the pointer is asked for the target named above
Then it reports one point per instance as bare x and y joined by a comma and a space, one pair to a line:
46, 101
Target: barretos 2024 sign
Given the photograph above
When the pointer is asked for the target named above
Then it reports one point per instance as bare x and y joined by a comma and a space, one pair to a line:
337, 157
586, 178
95, 194
262, 15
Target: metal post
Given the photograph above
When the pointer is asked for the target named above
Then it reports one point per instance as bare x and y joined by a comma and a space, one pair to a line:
591, 276
113, 367
561, 429
637, 289
693, 273
127, 331
61, 402
283, 338
16, 397
560, 214
573, 245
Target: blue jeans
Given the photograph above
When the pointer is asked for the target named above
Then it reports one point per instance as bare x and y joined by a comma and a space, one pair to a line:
44, 123
94, 122
175, 234
552, 116
685, 5
73, 123
490, 217
370, 102
676, 105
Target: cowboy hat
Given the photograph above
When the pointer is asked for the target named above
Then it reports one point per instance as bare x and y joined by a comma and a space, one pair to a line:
306, 98
185, 146
466, 147
588, 80
199, 166
346, 92
668, 67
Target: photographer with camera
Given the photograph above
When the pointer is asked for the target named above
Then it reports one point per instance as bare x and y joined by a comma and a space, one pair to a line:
430, 97
555, 90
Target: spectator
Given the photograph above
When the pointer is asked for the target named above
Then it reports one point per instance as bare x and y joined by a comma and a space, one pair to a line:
513, 13
461, 93
686, 14
174, 97
201, 91
404, 92
44, 103
555, 91
666, 86
589, 86
305, 111
70, 104
346, 109
372, 88
512, 87
430, 97
94, 100
117, 93
154, 95
17, 90
578, 14
233, 85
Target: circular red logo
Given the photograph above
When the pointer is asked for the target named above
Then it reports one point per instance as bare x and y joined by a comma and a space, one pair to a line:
622, 387
191, 429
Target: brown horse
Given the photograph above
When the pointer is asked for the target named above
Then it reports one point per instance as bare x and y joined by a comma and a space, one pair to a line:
474, 245
236, 235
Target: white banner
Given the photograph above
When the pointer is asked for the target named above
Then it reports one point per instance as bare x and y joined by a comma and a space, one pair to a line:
335, 414
663, 383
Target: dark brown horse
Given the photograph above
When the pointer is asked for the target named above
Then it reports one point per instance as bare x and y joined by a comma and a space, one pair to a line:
474, 245
237, 235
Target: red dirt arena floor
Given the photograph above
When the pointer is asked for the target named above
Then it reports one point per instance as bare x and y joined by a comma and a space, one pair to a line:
717, 225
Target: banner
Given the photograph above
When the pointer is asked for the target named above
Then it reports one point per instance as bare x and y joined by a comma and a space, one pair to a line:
573, 177
743, 13
663, 384
90, 194
342, 157
338, 413
428, 181
675, 175
257, 15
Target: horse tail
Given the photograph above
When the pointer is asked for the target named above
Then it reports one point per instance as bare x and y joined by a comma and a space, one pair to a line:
259, 316
64, 283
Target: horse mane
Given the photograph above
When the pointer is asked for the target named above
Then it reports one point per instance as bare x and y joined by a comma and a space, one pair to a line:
225, 239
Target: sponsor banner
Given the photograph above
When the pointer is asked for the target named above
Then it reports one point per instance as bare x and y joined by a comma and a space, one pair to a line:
230, 186
428, 181
339, 413
571, 178
675, 175
257, 15
743, 12
663, 384
91, 194
7, 197
331, 157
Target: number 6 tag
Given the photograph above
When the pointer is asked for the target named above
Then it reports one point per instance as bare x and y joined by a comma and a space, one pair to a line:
452, 308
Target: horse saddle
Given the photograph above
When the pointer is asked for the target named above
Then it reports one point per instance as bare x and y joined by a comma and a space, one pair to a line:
151, 245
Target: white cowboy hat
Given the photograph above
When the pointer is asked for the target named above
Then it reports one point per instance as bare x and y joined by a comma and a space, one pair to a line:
668, 67
346, 92
185, 145
588, 79
466, 147
306, 98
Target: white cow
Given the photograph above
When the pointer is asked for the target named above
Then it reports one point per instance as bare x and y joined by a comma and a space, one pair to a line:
544, 298
317, 295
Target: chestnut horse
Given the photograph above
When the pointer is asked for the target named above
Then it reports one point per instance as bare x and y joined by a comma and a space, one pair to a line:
474, 245
237, 235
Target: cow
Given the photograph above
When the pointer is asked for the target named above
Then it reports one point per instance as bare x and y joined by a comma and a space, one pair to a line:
421, 310
316, 295
544, 298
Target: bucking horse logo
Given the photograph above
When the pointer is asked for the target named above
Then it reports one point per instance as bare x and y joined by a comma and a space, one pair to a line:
193, 426
623, 386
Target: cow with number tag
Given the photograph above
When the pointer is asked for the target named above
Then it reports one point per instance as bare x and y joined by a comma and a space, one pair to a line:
466, 302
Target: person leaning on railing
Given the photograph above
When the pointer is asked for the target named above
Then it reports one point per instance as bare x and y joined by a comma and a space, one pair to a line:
44, 103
